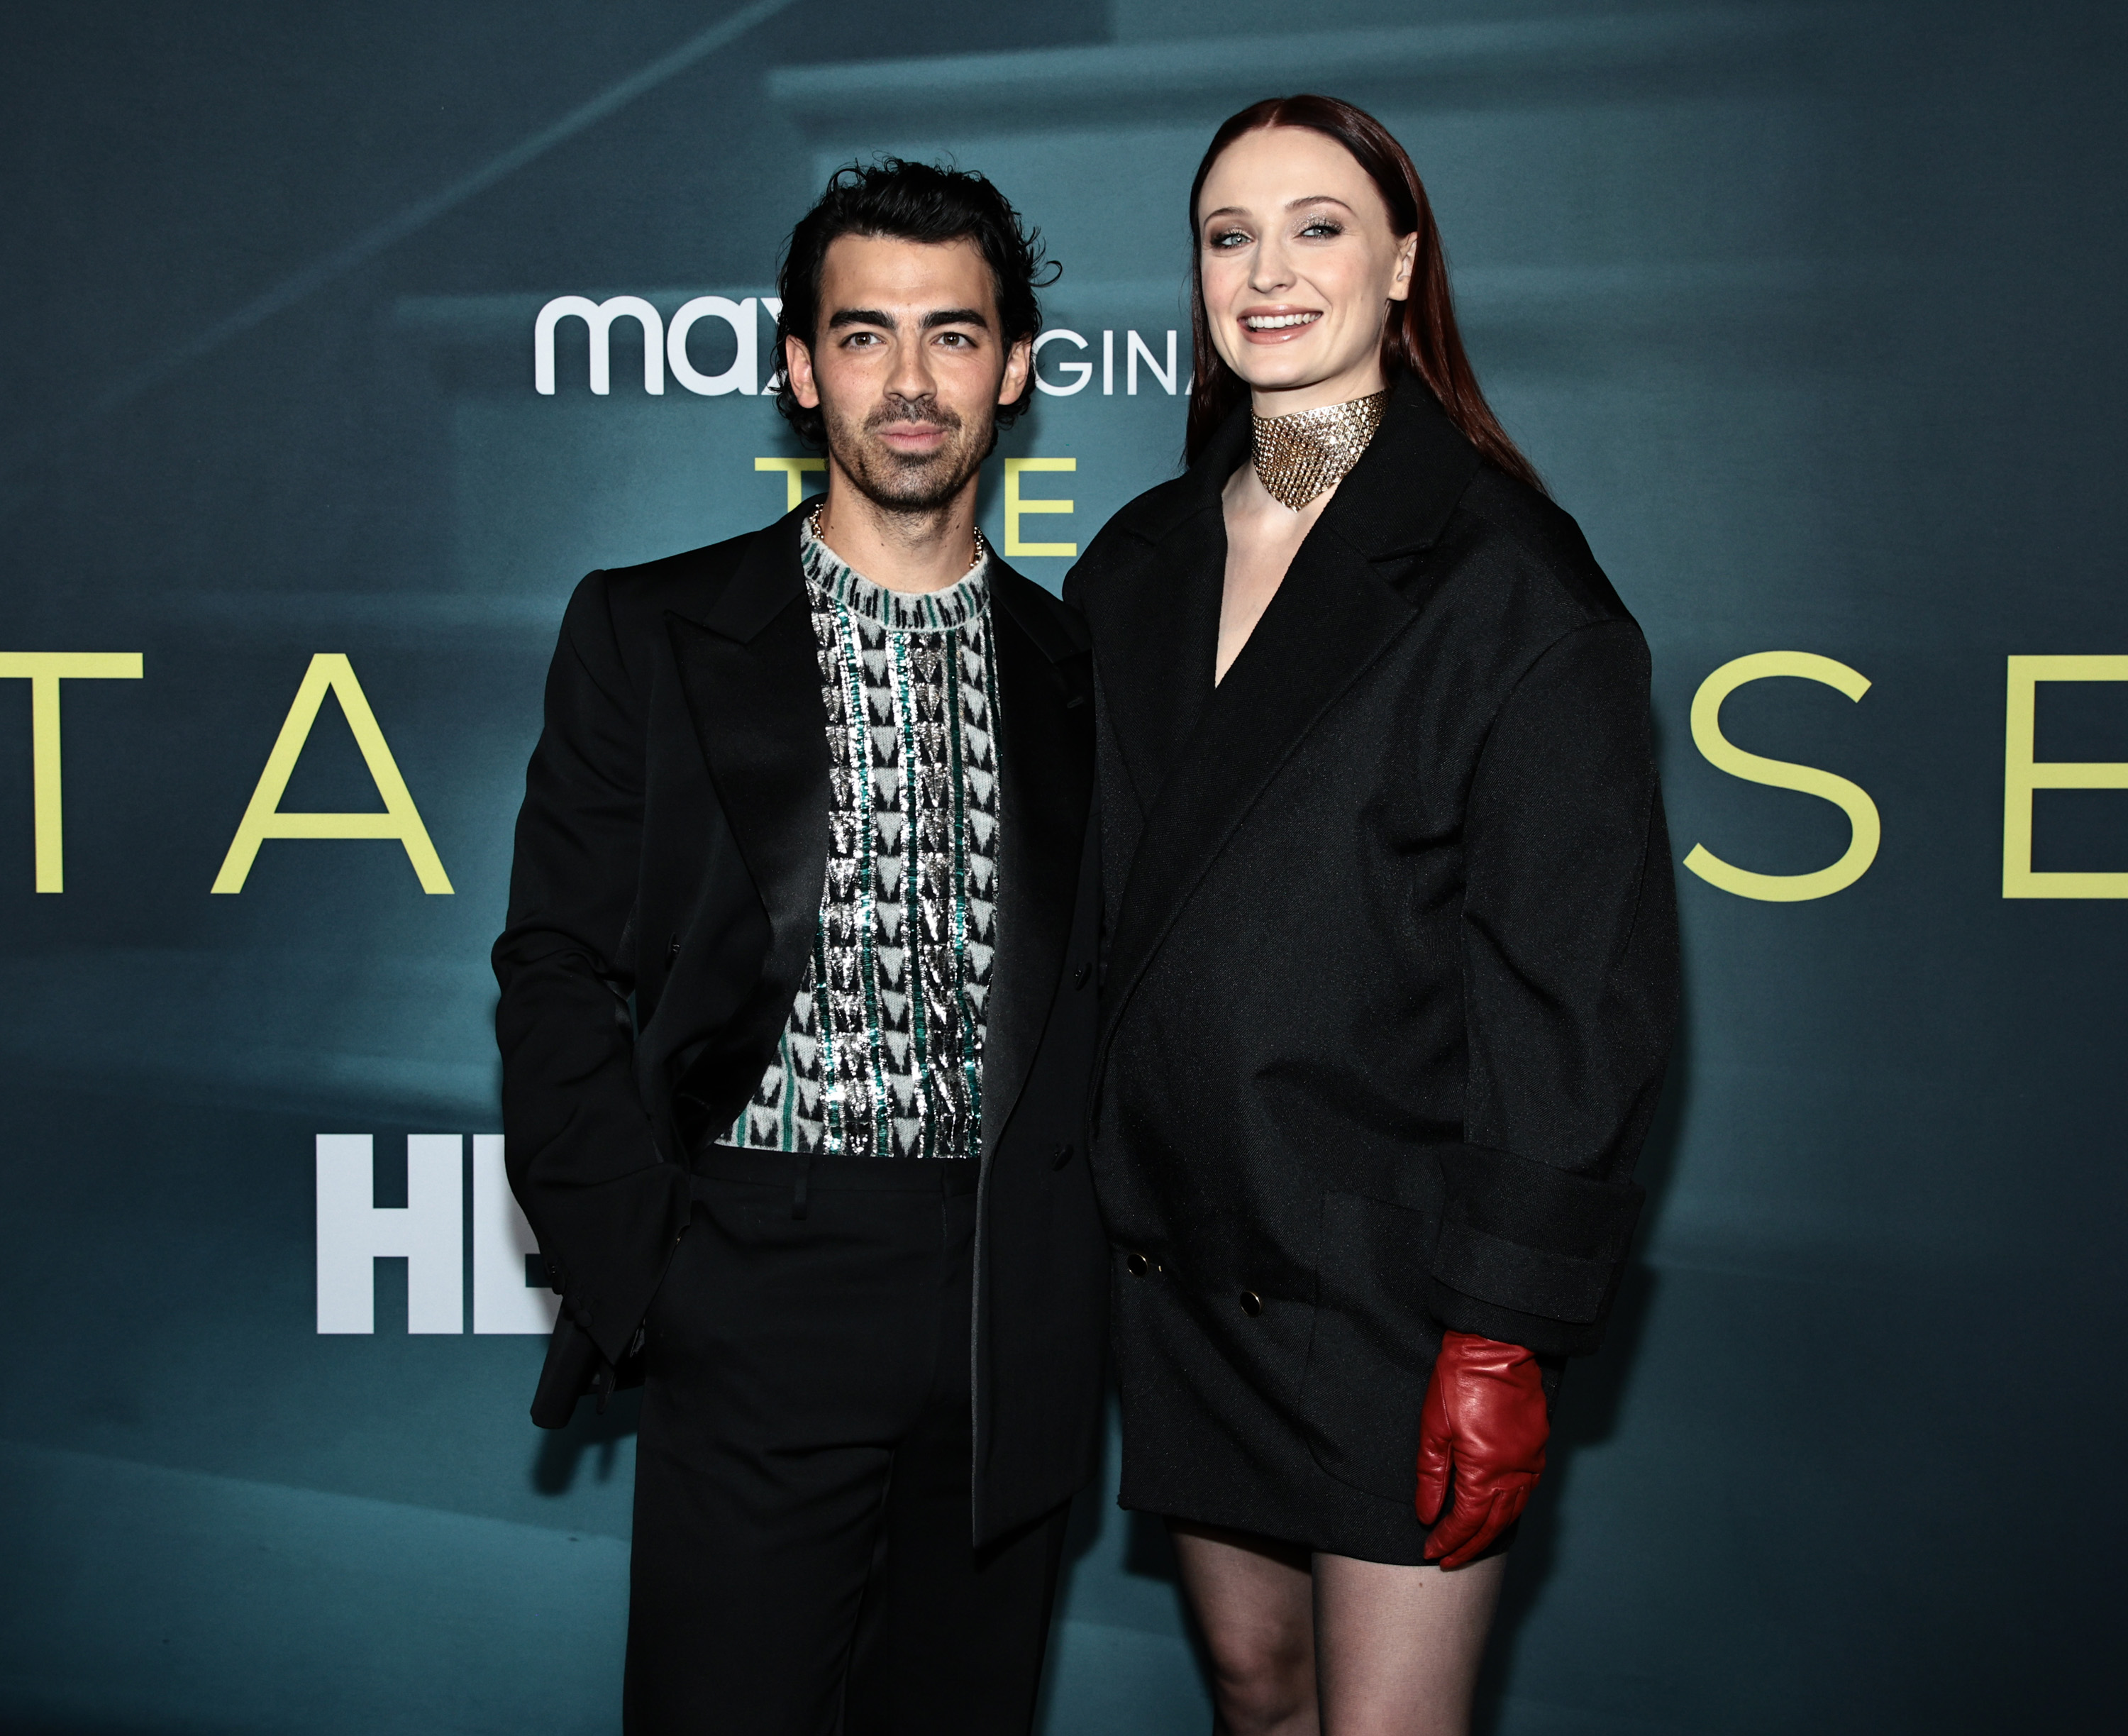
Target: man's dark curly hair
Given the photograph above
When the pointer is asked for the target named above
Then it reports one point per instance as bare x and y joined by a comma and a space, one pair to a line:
909, 201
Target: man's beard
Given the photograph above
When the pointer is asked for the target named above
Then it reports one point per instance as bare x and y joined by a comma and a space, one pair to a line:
902, 482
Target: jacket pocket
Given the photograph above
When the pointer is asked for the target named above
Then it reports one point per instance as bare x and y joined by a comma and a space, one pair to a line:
1374, 1344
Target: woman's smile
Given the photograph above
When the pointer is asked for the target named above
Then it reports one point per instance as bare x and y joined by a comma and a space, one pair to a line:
1278, 324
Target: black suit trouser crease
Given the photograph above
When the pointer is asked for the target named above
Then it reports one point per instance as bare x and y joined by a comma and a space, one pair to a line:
802, 1561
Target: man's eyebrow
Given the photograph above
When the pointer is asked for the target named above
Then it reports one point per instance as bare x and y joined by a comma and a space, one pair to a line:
843, 316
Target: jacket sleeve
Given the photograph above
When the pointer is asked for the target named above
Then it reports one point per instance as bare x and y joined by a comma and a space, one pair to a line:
583, 1162
1569, 964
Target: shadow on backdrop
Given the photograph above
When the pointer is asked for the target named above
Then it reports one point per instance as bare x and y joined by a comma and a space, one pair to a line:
560, 1456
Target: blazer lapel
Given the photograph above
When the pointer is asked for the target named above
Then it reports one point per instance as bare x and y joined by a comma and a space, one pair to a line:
1158, 662
1043, 714
1347, 596
751, 675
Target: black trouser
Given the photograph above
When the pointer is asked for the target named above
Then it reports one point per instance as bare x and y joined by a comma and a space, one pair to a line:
802, 1560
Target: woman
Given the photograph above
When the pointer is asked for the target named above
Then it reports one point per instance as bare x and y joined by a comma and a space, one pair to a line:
1391, 954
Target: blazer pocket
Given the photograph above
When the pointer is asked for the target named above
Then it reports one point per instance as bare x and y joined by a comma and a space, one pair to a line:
1374, 1345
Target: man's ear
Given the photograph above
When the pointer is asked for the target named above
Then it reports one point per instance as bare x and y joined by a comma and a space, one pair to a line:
798, 368
1019, 366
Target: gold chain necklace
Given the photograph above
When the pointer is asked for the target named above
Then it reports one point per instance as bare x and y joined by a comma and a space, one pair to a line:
1299, 455
813, 525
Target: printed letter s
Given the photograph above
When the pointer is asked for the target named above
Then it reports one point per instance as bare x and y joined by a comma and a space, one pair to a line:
1723, 755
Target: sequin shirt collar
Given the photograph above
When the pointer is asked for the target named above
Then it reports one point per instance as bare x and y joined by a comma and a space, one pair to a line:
898, 611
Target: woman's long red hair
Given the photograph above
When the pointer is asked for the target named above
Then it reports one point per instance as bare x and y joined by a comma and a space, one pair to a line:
1420, 337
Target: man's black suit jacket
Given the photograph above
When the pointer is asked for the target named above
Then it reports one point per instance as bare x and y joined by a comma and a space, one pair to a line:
670, 858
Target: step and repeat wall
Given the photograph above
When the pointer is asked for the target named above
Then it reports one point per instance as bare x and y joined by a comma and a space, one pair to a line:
347, 338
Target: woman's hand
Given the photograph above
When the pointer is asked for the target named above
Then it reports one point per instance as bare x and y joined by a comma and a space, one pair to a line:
1484, 1419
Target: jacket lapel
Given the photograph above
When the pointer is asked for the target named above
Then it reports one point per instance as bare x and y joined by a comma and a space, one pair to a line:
1157, 663
1043, 718
751, 675
1350, 590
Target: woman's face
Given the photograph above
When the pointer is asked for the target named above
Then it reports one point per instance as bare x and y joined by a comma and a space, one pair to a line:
1300, 267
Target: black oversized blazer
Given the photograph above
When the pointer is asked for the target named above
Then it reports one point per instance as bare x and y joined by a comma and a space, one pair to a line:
1390, 962
670, 858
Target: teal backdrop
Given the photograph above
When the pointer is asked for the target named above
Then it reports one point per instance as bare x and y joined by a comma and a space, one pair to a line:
1812, 317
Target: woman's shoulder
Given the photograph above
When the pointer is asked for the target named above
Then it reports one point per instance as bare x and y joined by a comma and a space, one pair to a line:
1135, 528
1509, 539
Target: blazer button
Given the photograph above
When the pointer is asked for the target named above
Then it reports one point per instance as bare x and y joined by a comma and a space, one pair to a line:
1060, 1157
1079, 976
1137, 1265
1251, 1303
672, 951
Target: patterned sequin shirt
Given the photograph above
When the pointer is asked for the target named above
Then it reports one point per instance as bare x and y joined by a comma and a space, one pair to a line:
882, 1053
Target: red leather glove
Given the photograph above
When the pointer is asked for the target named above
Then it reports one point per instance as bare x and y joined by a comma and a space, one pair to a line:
1484, 1419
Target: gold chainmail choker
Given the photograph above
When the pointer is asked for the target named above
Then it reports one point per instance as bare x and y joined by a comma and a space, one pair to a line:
1299, 455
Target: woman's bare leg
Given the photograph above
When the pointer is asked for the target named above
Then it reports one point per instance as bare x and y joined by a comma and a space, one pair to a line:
1397, 1649
1255, 1606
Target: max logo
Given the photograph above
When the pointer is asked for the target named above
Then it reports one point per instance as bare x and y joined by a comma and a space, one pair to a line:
753, 319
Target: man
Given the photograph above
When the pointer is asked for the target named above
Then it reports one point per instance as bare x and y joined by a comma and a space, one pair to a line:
797, 1009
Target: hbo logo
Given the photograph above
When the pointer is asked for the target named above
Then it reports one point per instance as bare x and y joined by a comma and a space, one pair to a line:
429, 1233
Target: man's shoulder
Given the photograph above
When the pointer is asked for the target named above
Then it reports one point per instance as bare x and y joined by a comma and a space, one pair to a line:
687, 583
625, 608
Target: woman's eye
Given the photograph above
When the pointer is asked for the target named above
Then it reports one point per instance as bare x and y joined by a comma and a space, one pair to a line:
1323, 227
1228, 239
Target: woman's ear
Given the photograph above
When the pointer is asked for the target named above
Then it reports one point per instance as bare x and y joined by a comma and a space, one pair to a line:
1407, 254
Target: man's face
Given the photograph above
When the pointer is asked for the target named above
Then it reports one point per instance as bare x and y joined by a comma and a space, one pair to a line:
908, 368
